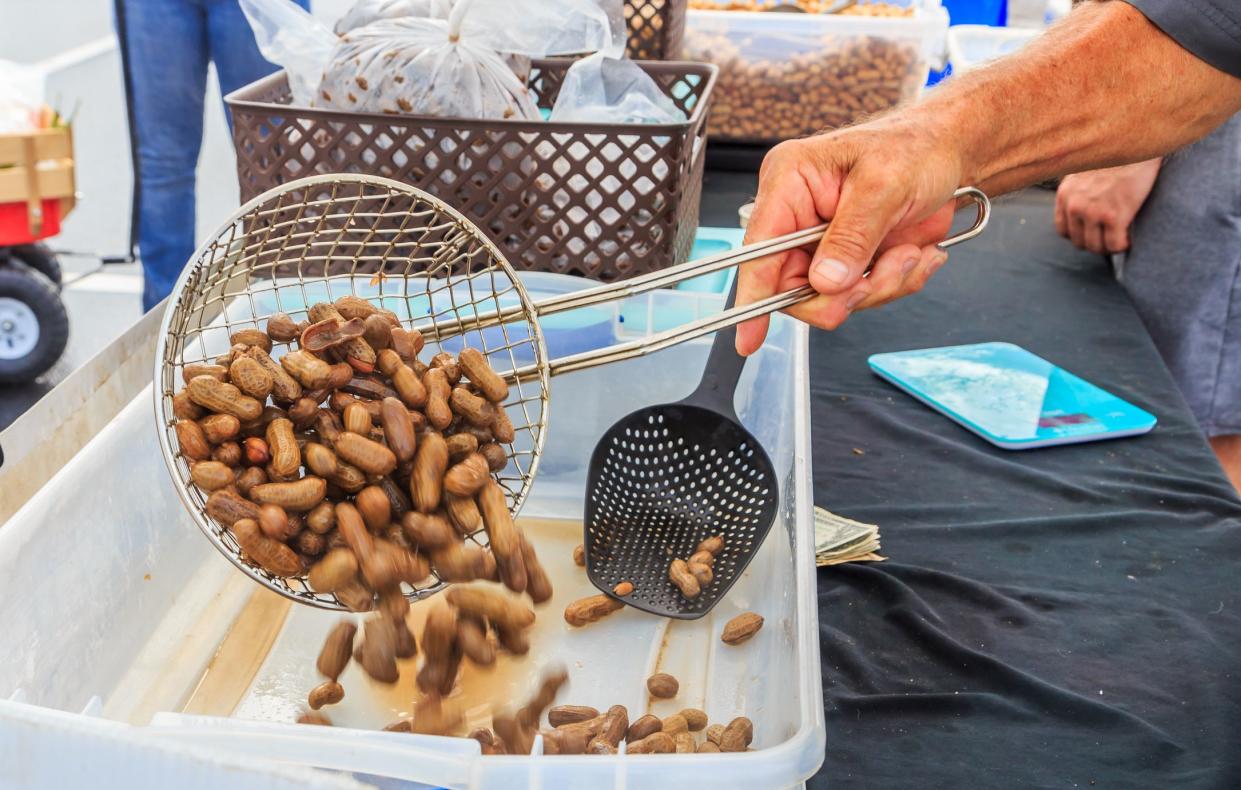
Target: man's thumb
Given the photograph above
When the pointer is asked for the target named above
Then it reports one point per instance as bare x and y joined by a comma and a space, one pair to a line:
862, 220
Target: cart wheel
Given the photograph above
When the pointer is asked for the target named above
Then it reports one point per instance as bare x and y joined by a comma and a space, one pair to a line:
34, 327
40, 258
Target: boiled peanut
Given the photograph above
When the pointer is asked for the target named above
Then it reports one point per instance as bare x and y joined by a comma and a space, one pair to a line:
643, 727
737, 735
320, 460
284, 387
695, 719
308, 369
223, 398
248, 478
713, 544
328, 425
303, 413
513, 640
276, 523
701, 558
538, 584
398, 500
428, 531
220, 428
359, 354
565, 741
321, 518
407, 343
662, 685
369, 456
251, 337
463, 513
503, 536
678, 573
623, 588
502, 426
348, 478
474, 642
486, 603
674, 724
281, 328
707, 747
387, 361
310, 717
400, 725
310, 544
434, 717
337, 568
597, 746
474, 365
357, 419
379, 650
327, 693
467, 477
228, 453
331, 332
373, 504
286, 456
496, 457
587, 610
741, 628
185, 409
447, 363
439, 635
337, 648
460, 445
426, 482
354, 307
655, 743
297, 496
473, 408
355, 596
250, 377
217, 372
684, 743
211, 475
570, 714
702, 573
272, 555
398, 429
714, 733
192, 440
458, 562
412, 392
579, 555
340, 375
228, 507
376, 331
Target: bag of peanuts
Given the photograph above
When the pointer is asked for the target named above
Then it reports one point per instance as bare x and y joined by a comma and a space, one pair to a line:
364, 12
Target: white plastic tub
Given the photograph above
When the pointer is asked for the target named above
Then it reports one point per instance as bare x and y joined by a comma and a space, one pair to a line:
108, 590
970, 46
788, 75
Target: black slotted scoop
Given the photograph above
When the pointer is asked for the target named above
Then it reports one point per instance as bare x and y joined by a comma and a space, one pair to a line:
664, 478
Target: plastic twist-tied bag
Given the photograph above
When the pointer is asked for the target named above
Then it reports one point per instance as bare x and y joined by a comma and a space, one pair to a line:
364, 12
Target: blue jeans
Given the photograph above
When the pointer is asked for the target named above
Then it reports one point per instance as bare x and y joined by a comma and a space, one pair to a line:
170, 44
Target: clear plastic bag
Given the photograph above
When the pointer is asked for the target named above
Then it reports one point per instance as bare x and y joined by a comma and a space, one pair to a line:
365, 12
21, 97
602, 88
290, 37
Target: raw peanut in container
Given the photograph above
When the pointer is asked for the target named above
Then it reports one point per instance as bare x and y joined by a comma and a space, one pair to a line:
685, 743
426, 482
185, 409
675, 724
579, 555
679, 573
228, 507
228, 453
473, 408
737, 735
331, 332
538, 584
463, 513
217, 372
250, 377
707, 747
369, 456
502, 426
503, 537
447, 363
337, 568
570, 714
286, 456
643, 727
223, 398
460, 445
377, 331
284, 387
623, 588
379, 650
474, 365
310, 717
299, 496
336, 650
714, 733
398, 429
474, 642
373, 504
496, 457
357, 419
741, 628
587, 610
211, 475
276, 524
310, 371
248, 478
281, 328
492, 605
702, 573
695, 719
251, 337
656, 743
220, 428
439, 413
354, 307
310, 544
327, 693
192, 440
428, 531
662, 685
464, 479
272, 555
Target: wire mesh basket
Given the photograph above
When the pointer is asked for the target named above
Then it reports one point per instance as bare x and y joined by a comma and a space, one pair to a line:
606, 201
656, 28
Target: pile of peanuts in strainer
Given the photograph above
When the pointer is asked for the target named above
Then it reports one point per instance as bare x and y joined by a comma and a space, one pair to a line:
834, 82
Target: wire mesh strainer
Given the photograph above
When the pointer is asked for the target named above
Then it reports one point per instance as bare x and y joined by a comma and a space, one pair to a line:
320, 238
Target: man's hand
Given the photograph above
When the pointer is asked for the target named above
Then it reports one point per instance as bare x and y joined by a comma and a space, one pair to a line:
1095, 209
887, 190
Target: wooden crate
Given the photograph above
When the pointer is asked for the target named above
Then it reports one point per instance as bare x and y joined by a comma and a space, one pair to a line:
37, 167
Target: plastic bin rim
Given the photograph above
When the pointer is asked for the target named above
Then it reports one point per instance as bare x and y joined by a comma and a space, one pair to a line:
242, 99
924, 13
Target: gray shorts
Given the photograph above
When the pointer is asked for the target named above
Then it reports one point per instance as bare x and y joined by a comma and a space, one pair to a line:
1183, 272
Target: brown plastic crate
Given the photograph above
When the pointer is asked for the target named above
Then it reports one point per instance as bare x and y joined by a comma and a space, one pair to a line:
656, 28
606, 201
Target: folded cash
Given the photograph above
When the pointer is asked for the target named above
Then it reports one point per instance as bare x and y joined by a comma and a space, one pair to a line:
838, 539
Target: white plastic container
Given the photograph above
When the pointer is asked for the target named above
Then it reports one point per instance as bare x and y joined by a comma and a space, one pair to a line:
970, 46
109, 593
785, 75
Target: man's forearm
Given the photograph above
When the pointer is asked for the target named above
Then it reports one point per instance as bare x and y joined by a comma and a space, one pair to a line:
1105, 87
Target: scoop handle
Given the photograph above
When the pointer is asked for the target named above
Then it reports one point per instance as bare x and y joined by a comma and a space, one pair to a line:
718, 387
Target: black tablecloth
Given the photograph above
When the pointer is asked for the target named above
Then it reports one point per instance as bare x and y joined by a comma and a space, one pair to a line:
1065, 617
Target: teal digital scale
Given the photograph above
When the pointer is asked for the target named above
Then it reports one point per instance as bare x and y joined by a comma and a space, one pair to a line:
1010, 397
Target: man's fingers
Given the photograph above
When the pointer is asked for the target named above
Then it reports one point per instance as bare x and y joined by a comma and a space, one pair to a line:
1094, 237
1061, 216
1116, 238
791, 274
886, 280
1077, 231
866, 212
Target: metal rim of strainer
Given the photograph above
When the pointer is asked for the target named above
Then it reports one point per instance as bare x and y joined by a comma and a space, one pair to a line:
231, 253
